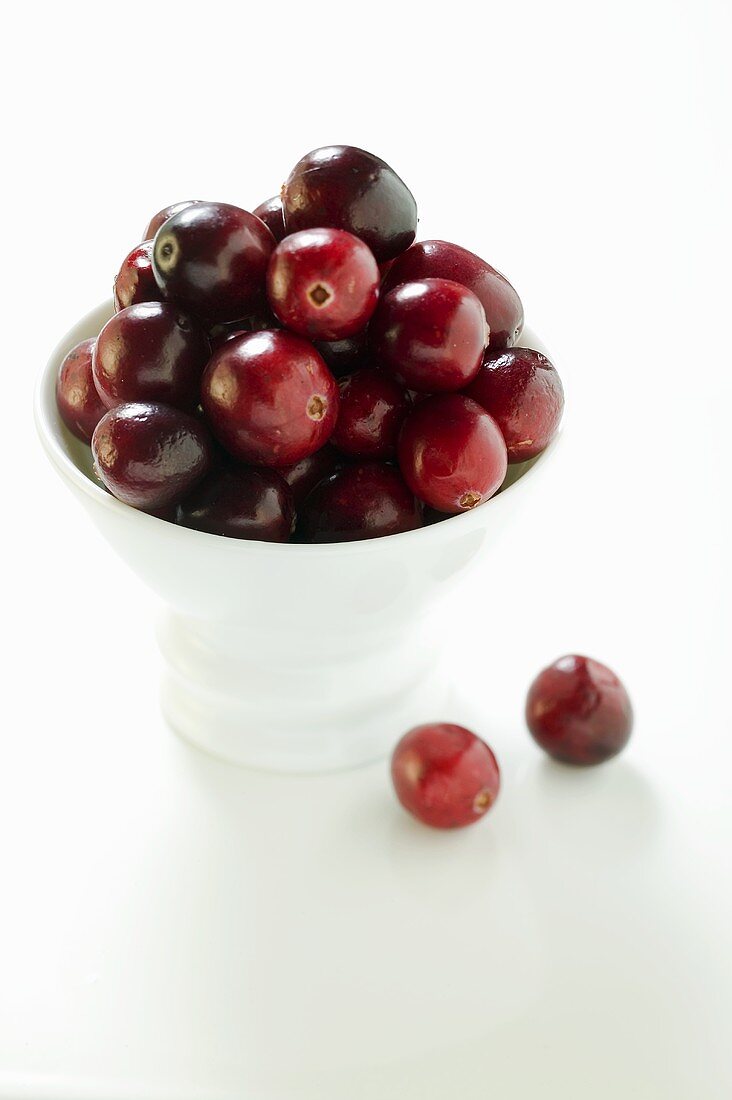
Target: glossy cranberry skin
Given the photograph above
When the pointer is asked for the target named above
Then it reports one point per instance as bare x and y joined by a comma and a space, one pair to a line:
362, 501
272, 215
150, 455
241, 503
345, 356
342, 187
304, 475
211, 258
442, 260
163, 215
135, 281
522, 391
371, 411
79, 405
430, 335
269, 398
444, 775
451, 453
323, 283
579, 712
150, 352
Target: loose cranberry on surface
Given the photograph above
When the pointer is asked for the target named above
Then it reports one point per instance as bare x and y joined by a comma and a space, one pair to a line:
79, 405
269, 398
522, 391
451, 453
135, 281
212, 258
578, 711
271, 214
342, 187
345, 356
323, 283
304, 475
163, 215
430, 335
363, 501
372, 408
241, 503
444, 775
150, 455
442, 260
150, 352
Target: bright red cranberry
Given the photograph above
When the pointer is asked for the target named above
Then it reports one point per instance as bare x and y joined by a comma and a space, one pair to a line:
345, 356
150, 352
79, 405
370, 414
269, 398
304, 475
444, 775
523, 393
346, 188
163, 215
273, 217
150, 455
363, 501
241, 503
579, 711
442, 260
135, 281
430, 335
212, 259
323, 283
451, 453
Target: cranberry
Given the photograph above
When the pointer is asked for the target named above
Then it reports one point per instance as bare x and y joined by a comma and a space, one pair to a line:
304, 475
444, 775
363, 501
370, 414
273, 217
212, 259
451, 453
150, 352
79, 405
346, 188
344, 356
430, 334
579, 711
135, 281
269, 398
323, 283
523, 393
257, 322
442, 260
150, 455
163, 215
241, 503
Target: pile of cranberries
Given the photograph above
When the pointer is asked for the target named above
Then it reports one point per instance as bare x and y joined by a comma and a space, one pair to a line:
307, 371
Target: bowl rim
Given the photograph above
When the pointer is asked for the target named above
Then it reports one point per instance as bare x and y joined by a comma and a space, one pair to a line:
51, 432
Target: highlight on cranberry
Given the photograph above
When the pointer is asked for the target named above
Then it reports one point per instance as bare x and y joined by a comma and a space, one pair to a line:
578, 711
304, 370
445, 775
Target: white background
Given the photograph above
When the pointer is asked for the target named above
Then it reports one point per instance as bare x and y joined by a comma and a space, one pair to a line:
584, 151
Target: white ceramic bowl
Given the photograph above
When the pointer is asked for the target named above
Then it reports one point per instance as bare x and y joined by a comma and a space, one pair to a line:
287, 657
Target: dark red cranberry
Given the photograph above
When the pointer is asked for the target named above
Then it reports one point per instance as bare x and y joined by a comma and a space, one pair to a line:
442, 260
241, 503
363, 501
271, 214
579, 711
323, 283
163, 215
345, 356
370, 414
430, 335
79, 405
257, 322
150, 352
309, 472
451, 453
135, 281
523, 393
346, 188
212, 259
150, 455
444, 775
269, 398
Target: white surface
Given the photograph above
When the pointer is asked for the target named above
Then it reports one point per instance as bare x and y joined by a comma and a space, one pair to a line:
174, 927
